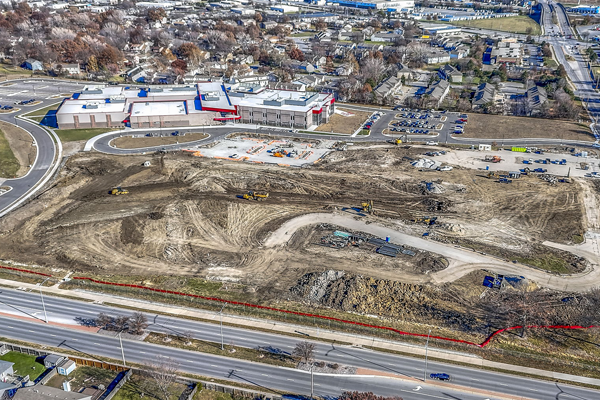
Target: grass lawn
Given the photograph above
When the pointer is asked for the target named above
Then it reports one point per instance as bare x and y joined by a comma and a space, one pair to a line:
518, 24
303, 34
549, 263
24, 364
9, 165
43, 111
550, 63
71, 135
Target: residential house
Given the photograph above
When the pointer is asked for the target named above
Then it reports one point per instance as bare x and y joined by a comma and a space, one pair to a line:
268, 24
386, 37
451, 74
136, 74
41, 392
459, 52
71, 69
436, 57
254, 80
6, 369
484, 95
297, 87
310, 81
351, 36
33, 65
387, 88
438, 91
404, 71
302, 66
344, 69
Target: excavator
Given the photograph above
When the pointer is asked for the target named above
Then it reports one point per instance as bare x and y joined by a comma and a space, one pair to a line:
118, 190
494, 159
258, 196
368, 207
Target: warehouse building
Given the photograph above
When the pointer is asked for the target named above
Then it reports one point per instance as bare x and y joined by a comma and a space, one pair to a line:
206, 103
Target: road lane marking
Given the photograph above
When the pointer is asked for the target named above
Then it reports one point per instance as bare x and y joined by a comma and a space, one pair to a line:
290, 380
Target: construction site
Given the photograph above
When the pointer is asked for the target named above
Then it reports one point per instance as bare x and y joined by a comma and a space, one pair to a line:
361, 231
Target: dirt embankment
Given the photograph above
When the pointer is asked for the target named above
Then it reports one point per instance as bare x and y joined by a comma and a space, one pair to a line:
128, 142
21, 144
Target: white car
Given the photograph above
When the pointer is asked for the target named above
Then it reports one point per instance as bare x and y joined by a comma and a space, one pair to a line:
234, 156
445, 168
432, 143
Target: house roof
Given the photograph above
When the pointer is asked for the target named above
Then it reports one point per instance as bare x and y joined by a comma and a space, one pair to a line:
54, 358
40, 392
5, 365
484, 94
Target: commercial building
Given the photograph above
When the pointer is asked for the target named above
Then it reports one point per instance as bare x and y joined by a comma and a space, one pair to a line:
205, 103
387, 5
585, 9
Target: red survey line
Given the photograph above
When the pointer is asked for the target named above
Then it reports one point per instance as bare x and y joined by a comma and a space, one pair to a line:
483, 344
26, 270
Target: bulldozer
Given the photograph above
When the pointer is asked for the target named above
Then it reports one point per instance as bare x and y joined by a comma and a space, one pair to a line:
367, 207
118, 190
258, 196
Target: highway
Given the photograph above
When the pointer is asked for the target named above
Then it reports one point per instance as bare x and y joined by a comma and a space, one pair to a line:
66, 311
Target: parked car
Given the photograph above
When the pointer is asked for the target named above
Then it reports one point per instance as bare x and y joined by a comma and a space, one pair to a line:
234, 156
441, 377
432, 143
445, 168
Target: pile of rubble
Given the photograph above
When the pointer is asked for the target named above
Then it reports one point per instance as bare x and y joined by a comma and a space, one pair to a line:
426, 163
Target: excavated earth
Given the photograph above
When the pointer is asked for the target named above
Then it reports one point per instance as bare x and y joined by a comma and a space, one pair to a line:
183, 217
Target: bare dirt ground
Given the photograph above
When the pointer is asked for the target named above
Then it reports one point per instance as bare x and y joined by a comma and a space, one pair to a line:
507, 127
342, 124
128, 142
183, 220
20, 143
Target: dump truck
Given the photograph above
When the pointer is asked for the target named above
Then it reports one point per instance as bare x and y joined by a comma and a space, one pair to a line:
258, 196
494, 159
118, 190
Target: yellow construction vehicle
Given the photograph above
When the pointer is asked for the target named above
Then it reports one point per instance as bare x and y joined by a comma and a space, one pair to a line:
425, 220
118, 190
258, 196
395, 141
367, 206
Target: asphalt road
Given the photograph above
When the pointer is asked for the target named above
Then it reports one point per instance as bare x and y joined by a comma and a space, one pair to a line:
40, 90
68, 311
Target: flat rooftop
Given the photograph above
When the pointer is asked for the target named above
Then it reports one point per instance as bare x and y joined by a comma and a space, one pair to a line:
279, 99
154, 108
89, 107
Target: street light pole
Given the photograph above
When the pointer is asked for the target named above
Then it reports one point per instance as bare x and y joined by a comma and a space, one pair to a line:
312, 382
44, 306
122, 351
221, 318
426, 349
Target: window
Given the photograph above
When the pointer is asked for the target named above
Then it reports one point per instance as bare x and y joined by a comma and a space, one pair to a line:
292, 117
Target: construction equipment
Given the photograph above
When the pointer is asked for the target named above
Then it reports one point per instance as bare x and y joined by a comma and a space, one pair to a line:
584, 166
395, 141
426, 220
258, 196
495, 174
367, 206
494, 159
118, 190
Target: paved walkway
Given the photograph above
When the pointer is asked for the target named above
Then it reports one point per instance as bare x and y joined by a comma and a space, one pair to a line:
314, 333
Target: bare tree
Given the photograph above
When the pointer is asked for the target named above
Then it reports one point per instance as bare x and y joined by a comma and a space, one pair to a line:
138, 323
163, 373
103, 320
305, 350
121, 323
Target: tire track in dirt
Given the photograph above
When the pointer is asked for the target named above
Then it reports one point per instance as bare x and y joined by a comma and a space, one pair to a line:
462, 262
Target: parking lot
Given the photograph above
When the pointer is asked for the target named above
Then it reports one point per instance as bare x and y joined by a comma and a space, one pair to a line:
423, 122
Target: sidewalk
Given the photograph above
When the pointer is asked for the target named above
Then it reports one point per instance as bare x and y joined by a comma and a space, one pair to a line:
313, 333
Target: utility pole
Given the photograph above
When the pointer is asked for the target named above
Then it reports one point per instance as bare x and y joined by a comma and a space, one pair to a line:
426, 348
312, 382
44, 306
221, 318
122, 351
